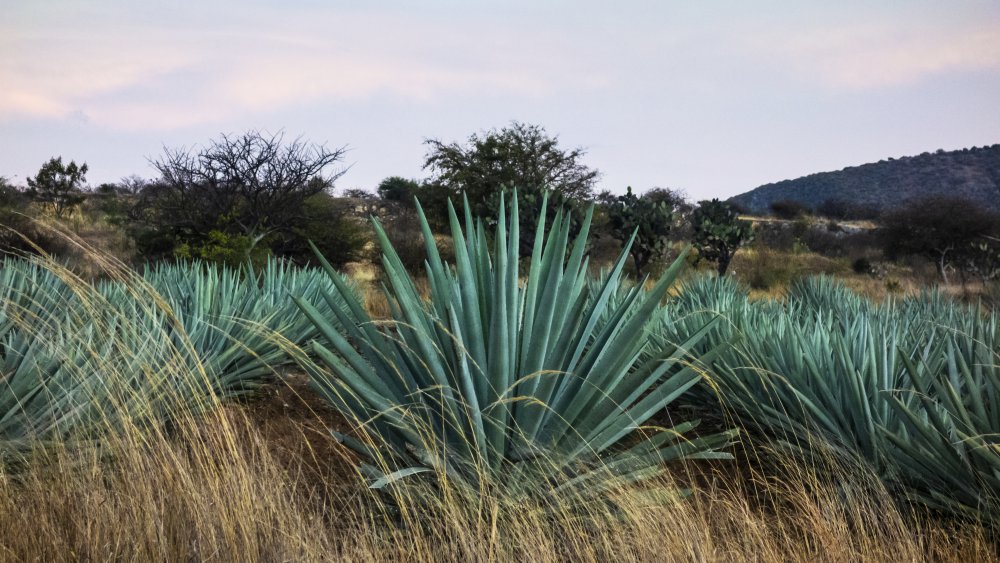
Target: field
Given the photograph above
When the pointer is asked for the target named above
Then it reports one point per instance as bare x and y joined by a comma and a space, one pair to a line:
197, 412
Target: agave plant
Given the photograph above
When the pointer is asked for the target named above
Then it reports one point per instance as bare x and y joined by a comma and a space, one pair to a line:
64, 353
498, 379
240, 325
80, 360
911, 388
948, 442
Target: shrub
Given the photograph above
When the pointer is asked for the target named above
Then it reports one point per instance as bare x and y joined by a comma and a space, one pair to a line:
647, 220
862, 266
718, 232
220, 248
328, 223
768, 269
950, 231
789, 209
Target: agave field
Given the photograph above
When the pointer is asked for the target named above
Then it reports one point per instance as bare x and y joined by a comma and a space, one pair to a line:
81, 360
909, 387
528, 378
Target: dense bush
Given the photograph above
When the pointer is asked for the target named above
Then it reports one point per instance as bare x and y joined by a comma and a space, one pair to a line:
647, 220
220, 248
953, 232
236, 200
789, 209
767, 269
327, 223
20, 232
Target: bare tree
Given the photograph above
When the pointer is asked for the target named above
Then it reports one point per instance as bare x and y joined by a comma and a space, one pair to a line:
253, 184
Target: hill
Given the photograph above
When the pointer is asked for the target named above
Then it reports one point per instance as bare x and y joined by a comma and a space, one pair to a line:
973, 173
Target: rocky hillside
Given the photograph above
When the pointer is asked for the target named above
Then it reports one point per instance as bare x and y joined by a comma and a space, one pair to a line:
972, 173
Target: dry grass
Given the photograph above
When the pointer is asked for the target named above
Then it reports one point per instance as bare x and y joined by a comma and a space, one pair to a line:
264, 481
366, 276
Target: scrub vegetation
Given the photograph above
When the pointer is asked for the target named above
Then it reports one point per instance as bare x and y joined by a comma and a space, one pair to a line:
487, 380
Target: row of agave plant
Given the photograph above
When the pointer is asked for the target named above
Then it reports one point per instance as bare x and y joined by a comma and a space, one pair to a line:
491, 382
910, 387
78, 360
527, 373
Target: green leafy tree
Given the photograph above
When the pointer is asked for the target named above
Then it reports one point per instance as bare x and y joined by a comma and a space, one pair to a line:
718, 232
398, 189
58, 186
520, 156
650, 216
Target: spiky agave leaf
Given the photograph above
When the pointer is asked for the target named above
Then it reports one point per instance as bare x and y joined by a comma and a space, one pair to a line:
80, 360
499, 378
912, 388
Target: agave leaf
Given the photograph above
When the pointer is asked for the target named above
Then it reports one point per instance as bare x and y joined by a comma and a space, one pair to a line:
507, 377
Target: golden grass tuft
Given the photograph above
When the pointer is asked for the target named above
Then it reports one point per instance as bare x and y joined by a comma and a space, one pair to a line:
232, 486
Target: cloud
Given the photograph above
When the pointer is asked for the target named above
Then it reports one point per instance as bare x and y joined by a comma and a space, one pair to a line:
870, 56
141, 77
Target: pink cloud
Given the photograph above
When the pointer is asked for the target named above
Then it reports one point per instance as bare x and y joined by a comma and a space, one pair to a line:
877, 56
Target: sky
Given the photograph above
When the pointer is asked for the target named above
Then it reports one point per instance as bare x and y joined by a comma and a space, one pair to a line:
711, 97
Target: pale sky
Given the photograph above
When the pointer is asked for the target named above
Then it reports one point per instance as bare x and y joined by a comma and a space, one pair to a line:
711, 97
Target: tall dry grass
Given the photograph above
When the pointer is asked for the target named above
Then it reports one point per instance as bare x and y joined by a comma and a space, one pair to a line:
232, 486
266, 481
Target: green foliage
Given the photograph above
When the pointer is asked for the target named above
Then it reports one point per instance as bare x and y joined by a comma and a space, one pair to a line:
250, 187
768, 269
911, 388
220, 248
533, 385
327, 223
20, 233
58, 185
649, 218
718, 232
9, 195
80, 361
520, 156
398, 189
